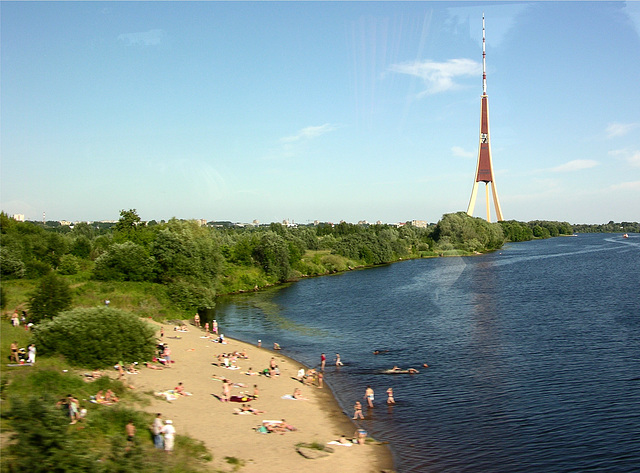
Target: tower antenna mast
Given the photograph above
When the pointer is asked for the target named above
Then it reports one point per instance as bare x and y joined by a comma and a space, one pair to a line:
484, 168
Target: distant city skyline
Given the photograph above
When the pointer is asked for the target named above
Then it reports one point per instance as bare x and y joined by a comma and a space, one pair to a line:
328, 111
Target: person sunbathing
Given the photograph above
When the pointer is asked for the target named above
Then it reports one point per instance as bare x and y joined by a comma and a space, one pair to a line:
110, 396
153, 367
179, 389
297, 394
290, 427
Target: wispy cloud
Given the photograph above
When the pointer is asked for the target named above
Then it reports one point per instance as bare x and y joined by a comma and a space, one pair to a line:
630, 185
620, 129
461, 152
439, 76
630, 156
575, 165
145, 38
308, 133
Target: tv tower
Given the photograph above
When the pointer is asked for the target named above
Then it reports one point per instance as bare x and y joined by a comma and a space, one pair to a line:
484, 168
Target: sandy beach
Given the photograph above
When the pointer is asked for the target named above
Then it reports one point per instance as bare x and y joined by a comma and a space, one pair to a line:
226, 434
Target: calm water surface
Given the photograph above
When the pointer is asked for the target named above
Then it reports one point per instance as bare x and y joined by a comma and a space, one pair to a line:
533, 353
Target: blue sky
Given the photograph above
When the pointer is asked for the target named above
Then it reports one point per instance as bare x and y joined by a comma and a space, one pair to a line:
318, 110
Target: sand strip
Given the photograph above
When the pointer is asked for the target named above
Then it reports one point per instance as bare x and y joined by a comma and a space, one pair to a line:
203, 416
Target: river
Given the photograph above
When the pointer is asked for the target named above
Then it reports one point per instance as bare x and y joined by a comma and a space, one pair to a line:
533, 353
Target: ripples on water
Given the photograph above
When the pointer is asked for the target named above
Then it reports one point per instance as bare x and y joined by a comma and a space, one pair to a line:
534, 353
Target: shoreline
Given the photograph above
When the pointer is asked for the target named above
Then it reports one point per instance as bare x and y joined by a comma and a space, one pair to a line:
319, 419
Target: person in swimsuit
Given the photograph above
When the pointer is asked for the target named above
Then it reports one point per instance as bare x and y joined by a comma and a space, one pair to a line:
357, 411
368, 395
390, 399
14, 352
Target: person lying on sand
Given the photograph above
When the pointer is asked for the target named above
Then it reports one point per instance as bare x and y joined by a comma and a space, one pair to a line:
153, 367
297, 394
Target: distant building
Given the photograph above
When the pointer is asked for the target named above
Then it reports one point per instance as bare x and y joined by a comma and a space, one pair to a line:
419, 223
65, 223
363, 222
201, 222
256, 223
18, 217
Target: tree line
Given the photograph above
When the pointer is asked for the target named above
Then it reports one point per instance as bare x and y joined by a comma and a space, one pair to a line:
194, 262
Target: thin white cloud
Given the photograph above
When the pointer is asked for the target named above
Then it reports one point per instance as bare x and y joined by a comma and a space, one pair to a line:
630, 156
630, 185
308, 133
634, 159
620, 129
461, 152
145, 38
575, 165
439, 76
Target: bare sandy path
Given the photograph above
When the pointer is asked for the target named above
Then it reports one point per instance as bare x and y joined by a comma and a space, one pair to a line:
203, 416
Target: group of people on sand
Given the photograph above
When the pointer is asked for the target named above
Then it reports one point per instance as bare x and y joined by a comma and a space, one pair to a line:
163, 433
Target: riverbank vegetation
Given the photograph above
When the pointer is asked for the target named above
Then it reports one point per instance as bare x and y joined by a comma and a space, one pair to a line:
171, 269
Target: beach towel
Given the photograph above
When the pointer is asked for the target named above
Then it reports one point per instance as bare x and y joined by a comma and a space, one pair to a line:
335, 442
168, 395
289, 396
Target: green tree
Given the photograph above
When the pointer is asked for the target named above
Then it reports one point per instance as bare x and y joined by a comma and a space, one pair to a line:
126, 261
272, 254
51, 297
68, 265
97, 337
10, 264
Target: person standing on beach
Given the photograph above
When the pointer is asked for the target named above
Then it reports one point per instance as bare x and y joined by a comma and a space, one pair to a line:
368, 395
196, 320
226, 390
214, 326
357, 411
32, 354
323, 361
156, 430
168, 432
338, 360
320, 380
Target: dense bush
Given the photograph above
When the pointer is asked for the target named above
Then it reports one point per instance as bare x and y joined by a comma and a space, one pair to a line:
51, 297
124, 262
191, 297
41, 442
97, 337
68, 265
10, 264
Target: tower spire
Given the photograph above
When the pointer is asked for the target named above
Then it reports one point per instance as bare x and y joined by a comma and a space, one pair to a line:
484, 61
484, 168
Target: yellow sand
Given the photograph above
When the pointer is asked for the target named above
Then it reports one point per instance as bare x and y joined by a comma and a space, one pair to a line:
205, 417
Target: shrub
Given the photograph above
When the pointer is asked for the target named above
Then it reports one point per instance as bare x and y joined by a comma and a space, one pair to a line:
97, 337
189, 296
68, 265
10, 264
124, 262
41, 442
51, 297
